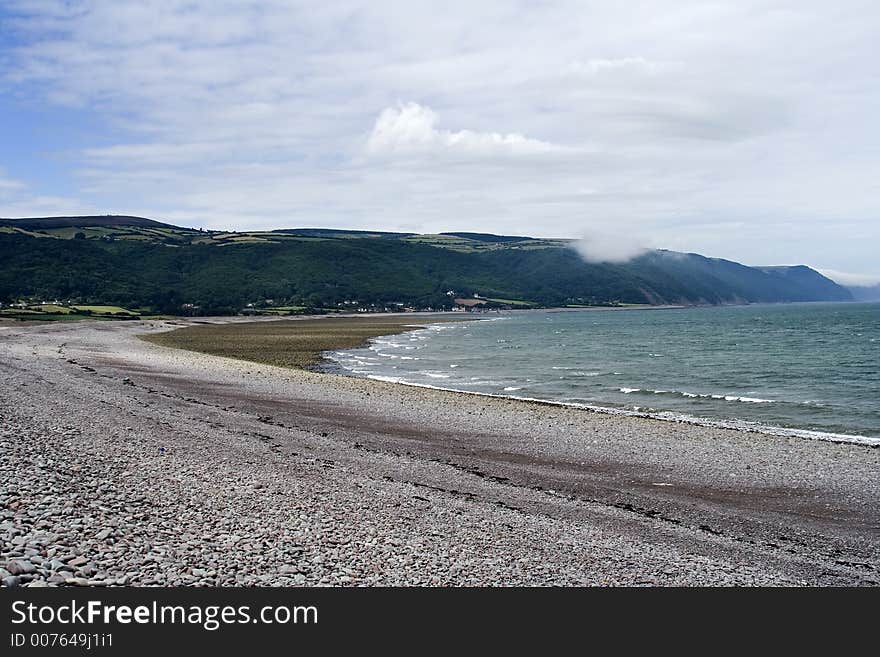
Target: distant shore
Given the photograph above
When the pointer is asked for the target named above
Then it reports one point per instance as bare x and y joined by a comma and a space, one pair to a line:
277, 475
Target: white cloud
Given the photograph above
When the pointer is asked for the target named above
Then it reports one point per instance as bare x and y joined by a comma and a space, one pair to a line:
853, 280
7, 186
598, 245
624, 64
410, 128
17, 199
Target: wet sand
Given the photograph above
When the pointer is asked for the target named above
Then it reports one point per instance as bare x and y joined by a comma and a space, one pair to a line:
143, 464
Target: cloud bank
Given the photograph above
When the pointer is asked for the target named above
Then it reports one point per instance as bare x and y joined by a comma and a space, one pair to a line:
743, 129
851, 280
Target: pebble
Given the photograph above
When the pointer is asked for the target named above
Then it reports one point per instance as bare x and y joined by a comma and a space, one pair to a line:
20, 567
76, 581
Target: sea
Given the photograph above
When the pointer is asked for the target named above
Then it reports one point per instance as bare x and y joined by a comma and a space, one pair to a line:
808, 370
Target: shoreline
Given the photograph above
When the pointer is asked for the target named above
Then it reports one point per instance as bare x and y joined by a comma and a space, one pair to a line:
274, 475
661, 416
321, 361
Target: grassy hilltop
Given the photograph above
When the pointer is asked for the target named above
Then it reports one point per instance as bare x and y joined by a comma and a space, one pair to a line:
134, 262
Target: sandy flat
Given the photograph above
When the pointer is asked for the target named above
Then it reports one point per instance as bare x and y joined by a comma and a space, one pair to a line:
124, 462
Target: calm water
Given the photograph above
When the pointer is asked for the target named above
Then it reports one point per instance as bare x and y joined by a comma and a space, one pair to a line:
786, 369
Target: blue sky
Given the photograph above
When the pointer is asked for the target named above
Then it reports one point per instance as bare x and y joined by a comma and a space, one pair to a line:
744, 130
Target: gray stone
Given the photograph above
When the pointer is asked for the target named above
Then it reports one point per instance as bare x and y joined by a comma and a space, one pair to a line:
20, 567
76, 581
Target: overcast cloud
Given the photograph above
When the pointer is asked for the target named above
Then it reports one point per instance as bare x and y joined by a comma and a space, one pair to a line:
737, 129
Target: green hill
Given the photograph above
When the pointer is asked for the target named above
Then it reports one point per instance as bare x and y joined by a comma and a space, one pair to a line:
139, 263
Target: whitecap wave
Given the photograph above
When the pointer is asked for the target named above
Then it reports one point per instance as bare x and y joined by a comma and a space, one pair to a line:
387, 379
698, 395
681, 418
350, 360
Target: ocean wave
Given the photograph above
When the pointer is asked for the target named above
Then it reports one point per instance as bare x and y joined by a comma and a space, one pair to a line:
387, 379
388, 343
588, 395
697, 395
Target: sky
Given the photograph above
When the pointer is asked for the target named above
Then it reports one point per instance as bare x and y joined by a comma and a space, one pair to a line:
737, 129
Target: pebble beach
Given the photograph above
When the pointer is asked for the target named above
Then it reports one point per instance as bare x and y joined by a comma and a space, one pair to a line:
127, 463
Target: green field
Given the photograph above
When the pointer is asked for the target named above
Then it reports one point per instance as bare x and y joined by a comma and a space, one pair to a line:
51, 312
448, 242
105, 310
281, 310
470, 245
52, 308
514, 302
